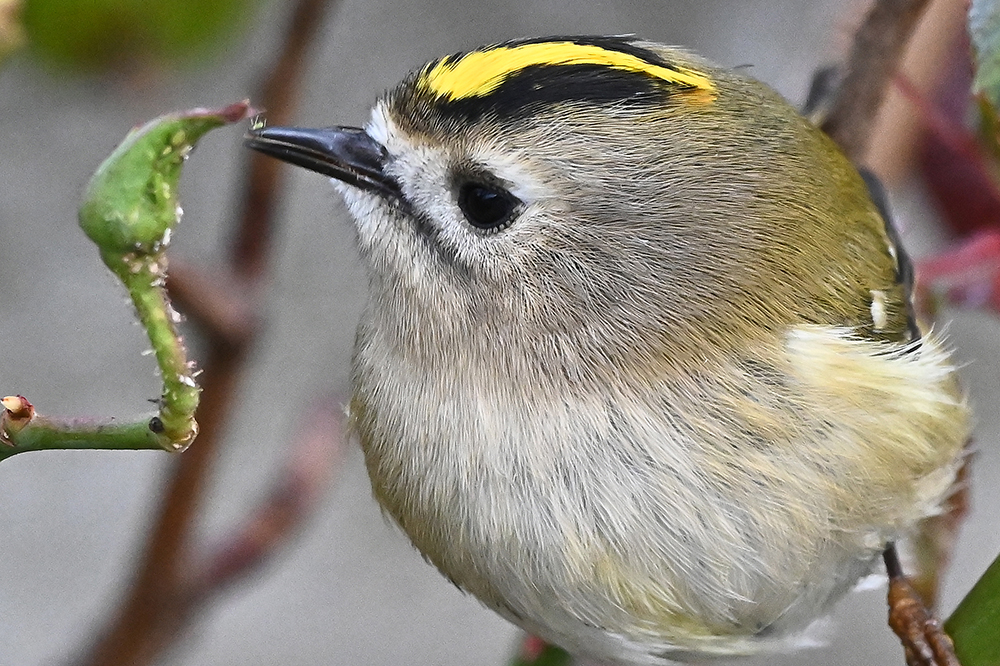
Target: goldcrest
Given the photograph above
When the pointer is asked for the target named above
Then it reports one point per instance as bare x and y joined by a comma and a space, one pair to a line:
639, 368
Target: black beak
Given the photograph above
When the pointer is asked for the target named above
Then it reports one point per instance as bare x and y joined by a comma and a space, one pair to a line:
345, 153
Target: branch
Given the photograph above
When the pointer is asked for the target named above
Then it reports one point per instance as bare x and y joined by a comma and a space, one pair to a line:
219, 305
288, 503
21, 430
156, 607
875, 55
279, 98
129, 210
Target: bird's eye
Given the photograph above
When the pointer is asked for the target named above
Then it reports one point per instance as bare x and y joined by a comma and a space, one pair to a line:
487, 207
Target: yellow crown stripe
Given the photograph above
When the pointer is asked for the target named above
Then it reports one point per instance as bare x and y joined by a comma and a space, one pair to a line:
478, 73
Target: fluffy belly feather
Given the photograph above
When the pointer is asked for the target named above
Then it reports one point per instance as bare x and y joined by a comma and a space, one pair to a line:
611, 524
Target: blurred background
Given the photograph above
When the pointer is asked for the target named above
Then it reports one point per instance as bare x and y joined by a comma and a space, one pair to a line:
349, 589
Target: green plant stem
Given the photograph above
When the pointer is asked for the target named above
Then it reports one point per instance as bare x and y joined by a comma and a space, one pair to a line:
129, 209
172, 429
975, 624
44, 434
143, 276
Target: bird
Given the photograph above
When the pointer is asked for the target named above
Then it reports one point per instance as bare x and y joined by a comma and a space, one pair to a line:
638, 367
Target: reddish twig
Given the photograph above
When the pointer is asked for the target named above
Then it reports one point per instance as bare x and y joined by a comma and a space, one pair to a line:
221, 307
934, 543
957, 137
957, 168
968, 275
875, 55
159, 603
152, 614
311, 462
279, 98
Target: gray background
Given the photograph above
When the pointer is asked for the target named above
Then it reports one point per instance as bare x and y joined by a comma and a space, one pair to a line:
350, 590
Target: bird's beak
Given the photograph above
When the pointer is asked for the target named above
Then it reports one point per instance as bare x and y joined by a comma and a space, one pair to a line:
348, 154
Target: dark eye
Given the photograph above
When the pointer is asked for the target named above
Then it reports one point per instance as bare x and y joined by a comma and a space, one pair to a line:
487, 207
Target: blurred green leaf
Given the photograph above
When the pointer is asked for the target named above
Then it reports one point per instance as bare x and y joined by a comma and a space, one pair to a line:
11, 30
975, 624
123, 34
984, 28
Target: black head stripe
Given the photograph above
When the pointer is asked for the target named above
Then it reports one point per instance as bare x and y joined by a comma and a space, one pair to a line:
519, 76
